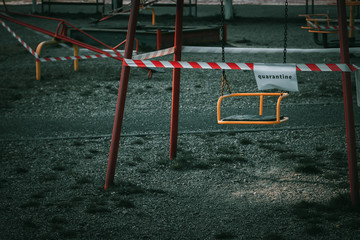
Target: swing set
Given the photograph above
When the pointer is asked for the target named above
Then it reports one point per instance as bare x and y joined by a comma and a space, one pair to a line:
250, 119
345, 67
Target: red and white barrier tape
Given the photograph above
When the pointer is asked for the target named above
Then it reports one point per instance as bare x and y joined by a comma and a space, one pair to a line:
84, 57
236, 50
19, 39
332, 28
155, 54
310, 67
322, 67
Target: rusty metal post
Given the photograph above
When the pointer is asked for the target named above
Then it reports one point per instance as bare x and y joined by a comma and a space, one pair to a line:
176, 79
76, 54
120, 106
348, 104
158, 39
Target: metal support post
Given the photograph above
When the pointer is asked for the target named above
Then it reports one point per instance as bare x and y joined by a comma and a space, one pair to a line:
76, 61
176, 78
120, 106
348, 104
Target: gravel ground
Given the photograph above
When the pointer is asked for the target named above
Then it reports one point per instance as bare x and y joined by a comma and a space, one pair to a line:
261, 183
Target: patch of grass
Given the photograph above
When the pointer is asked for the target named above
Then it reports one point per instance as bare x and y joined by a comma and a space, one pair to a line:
224, 150
29, 223
143, 170
202, 165
77, 199
30, 204
273, 236
314, 229
332, 176
86, 93
308, 169
64, 205
137, 142
266, 146
127, 188
58, 168
246, 141
313, 213
112, 90
232, 159
84, 180
77, 143
96, 209
138, 159
68, 233
157, 191
225, 235
182, 162
125, 204
339, 159
16, 97
21, 170
47, 177
93, 151
320, 148
38, 195
271, 141
292, 156
58, 220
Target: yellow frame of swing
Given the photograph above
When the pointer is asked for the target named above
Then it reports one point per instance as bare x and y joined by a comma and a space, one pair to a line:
277, 121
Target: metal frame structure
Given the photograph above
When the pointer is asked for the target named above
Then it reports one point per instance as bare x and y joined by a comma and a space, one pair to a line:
346, 79
60, 35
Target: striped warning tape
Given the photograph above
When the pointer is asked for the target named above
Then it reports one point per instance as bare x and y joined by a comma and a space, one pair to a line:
84, 57
139, 60
155, 54
19, 39
333, 27
144, 56
236, 50
309, 67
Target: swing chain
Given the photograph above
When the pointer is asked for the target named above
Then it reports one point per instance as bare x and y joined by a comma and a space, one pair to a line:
285, 29
224, 81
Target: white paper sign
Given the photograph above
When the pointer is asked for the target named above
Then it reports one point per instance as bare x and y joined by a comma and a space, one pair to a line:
276, 75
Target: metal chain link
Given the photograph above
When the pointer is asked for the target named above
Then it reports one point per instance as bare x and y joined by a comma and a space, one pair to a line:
285, 29
224, 81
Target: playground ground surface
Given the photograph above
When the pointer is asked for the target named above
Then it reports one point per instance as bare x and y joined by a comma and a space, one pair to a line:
228, 182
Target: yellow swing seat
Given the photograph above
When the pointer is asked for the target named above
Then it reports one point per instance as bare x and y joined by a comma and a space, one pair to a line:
253, 119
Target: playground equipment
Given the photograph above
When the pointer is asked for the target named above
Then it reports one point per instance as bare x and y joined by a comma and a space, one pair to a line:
324, 25
345, 67
253, 119
250, 119
59, 36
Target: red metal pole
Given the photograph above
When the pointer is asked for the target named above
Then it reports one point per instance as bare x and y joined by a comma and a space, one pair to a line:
120, 106
158, 39
176, 78
348, 104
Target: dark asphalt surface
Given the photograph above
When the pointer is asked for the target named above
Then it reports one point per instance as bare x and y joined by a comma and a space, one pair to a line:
140, 123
